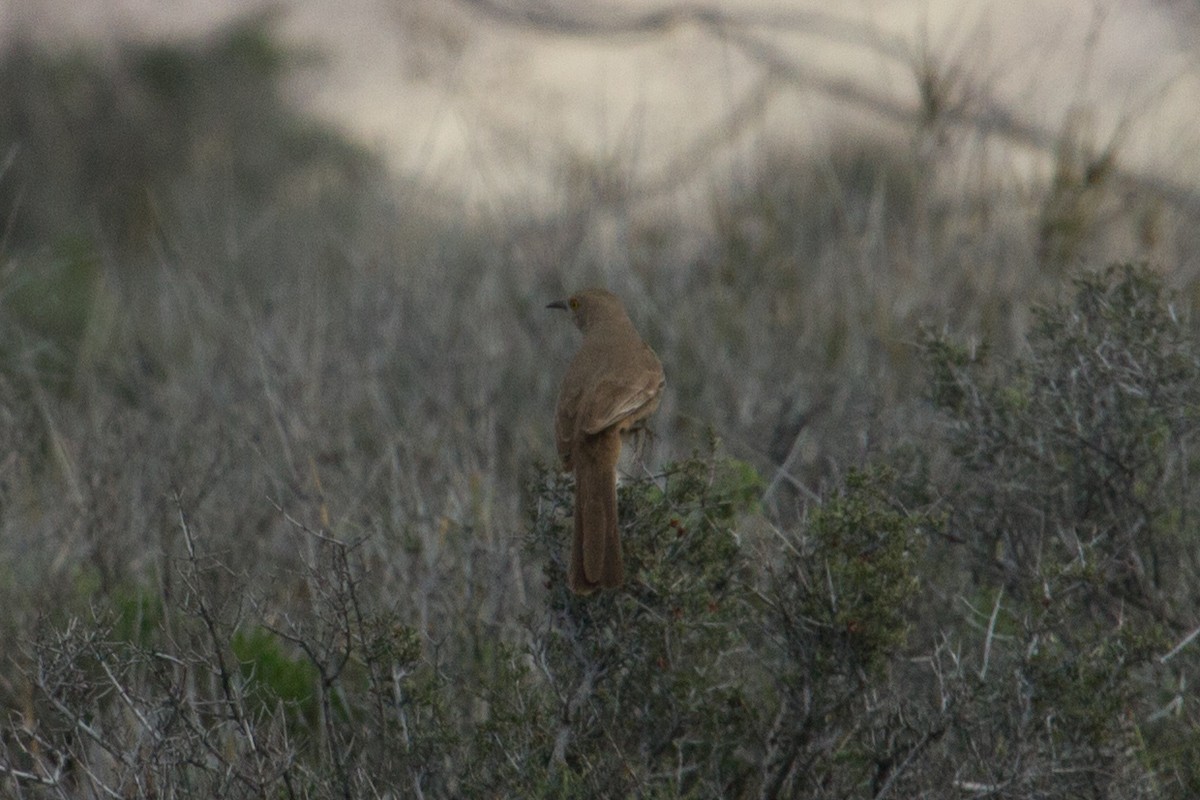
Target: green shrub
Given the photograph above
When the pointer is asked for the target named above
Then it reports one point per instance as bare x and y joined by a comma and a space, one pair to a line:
1078, 455
276, 679
837, 611
641, 677
1069, 501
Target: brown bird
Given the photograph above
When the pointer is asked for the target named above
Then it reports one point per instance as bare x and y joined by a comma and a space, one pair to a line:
614, 381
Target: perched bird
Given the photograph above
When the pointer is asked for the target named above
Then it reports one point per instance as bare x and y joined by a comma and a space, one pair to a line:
614, 381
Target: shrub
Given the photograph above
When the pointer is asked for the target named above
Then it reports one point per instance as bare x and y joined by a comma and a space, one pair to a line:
838, 604
1070, 499
646, 683
1076, 460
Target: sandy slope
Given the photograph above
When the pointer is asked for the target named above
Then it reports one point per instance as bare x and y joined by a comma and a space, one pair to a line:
485, 108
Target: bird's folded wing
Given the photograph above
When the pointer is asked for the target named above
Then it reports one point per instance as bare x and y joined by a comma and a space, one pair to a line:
611, 401
564, 426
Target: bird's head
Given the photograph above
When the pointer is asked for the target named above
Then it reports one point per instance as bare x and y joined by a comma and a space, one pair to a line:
590, 307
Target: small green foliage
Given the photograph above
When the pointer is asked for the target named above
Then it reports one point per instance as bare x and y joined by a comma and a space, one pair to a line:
54, 299
1081, 681
686, 529
1170, 750
947, 362
57, 302
387, 640
273, 677
859, 557
138, 615
511, 743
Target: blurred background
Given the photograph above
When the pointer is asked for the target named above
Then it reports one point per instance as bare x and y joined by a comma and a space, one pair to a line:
296, 255
490, 97
283, 253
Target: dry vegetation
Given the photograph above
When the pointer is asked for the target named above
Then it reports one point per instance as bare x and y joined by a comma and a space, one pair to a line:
275, 519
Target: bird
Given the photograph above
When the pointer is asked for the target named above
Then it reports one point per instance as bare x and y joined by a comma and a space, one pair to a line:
614, 381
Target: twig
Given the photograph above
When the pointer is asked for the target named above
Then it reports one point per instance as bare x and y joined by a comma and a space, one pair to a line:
1182, 644
991, 630
21, 776
133, 709
930, 736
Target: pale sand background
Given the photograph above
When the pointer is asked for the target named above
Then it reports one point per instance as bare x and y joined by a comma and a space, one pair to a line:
489, 112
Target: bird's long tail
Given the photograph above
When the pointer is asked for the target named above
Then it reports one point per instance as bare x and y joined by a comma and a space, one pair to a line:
596, 550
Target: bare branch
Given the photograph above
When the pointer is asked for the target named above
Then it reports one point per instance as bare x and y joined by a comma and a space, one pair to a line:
573, 20
991, 631
1174, 651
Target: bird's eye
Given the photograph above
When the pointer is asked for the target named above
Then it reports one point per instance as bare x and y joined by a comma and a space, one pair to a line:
573, 303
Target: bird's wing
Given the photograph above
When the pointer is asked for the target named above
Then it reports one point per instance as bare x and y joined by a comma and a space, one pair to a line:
564, 426
611, 401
